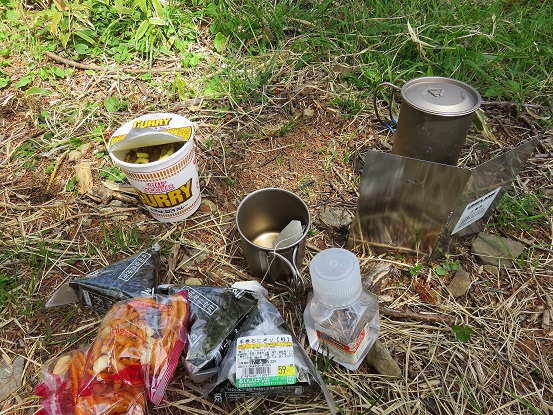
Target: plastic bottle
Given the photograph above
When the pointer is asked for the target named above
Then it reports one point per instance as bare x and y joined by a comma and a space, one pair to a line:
341, 317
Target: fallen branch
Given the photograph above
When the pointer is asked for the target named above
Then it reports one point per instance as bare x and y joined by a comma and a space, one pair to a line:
114, 212
514, 105
124, 69
436, 318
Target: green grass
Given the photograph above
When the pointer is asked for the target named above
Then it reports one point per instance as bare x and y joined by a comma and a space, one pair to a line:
7, 285
520, 211
503, 48
121, 238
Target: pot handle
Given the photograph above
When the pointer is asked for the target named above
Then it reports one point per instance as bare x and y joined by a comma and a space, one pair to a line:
391, 125
298, 285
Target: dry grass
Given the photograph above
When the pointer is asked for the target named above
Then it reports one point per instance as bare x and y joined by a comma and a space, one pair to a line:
49, 235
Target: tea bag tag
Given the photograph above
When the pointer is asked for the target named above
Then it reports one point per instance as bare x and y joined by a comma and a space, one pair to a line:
289, 235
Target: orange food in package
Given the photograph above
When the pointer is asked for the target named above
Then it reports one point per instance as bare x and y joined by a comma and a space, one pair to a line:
134, 356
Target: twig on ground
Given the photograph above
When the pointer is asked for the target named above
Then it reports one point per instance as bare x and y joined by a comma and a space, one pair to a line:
124, 69
56, 167
436, 318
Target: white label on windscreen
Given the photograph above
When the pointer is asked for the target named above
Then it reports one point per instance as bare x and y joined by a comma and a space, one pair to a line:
475, 210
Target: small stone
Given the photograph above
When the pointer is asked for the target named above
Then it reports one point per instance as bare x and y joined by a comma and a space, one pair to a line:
336, 217
10, 377
194, 255
193, 282
497, 251
491, 269
74, 155
208, 206
292, 163
308, 112
460, 283
382, 361
99, 194
84, 148
117, 204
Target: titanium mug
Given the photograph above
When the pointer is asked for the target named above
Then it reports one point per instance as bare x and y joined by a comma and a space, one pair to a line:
260, 218
435, 116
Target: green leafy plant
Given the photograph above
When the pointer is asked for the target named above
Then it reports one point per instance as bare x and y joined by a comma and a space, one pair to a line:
415, 269
462, 333
38, 91
229, 181
527, 404
289, 126
71, 185
121, 28
446, 267
113, 174
28, 151
349, 105
113, 104
25, 81
329, 155
5, 80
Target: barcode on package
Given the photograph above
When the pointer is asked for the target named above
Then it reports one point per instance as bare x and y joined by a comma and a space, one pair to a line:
266, 360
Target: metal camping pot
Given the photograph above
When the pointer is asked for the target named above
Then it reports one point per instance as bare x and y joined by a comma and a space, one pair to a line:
435, 116
260, 217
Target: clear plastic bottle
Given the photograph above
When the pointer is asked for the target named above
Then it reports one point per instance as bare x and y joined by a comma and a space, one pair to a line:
341, 317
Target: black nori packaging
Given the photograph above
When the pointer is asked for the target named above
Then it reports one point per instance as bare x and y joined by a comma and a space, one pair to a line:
266, 320
129, 278
216, 316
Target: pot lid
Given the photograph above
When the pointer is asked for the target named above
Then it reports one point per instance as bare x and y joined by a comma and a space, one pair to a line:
441, 96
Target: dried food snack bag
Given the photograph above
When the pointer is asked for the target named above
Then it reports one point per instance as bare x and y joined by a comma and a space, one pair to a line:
216, 316
67, 388
129, 278
134, 355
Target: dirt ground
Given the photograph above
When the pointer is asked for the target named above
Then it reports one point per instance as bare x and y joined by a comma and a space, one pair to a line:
298, 140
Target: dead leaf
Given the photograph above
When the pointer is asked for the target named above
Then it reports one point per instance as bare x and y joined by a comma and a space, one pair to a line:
417, 41
83, 173
426, 292
61, 5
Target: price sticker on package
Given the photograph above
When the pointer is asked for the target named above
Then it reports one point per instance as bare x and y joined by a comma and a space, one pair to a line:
265, 361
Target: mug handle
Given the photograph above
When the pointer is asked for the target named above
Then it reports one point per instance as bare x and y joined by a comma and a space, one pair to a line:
392, 120
298, 286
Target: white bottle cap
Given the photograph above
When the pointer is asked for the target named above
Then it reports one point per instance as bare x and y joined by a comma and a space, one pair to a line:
336, 277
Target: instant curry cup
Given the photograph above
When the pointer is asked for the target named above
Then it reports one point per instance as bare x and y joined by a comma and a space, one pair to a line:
260, 219
169, 188
435, 115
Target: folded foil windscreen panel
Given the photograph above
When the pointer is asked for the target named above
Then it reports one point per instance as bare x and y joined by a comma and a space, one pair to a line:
483, 191
404, 203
